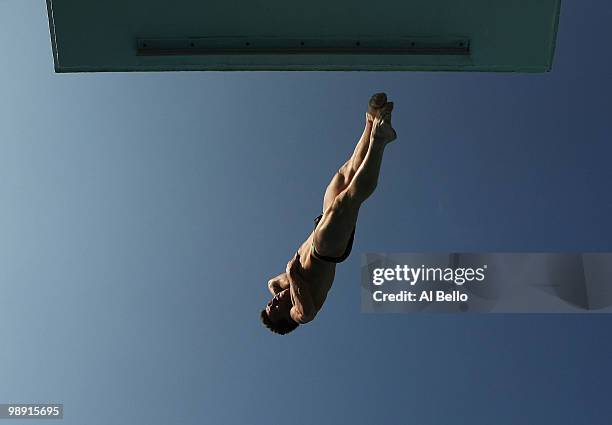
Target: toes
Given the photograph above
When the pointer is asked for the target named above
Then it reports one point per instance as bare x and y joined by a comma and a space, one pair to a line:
377, 100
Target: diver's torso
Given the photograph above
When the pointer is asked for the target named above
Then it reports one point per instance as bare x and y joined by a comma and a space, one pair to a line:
318, 274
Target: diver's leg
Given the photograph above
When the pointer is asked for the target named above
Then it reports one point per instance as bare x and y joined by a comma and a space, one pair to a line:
377, 106
343, 177
338, 223
365, 180
333, 232
345, 173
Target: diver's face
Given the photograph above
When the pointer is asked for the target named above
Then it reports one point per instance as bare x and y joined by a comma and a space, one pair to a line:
279, 306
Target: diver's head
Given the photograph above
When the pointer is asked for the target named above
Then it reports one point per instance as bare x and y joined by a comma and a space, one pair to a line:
277, 314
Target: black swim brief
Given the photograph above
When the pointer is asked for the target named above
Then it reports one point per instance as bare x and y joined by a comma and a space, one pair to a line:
340, 259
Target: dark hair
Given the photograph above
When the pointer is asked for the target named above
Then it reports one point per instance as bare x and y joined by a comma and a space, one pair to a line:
280, 327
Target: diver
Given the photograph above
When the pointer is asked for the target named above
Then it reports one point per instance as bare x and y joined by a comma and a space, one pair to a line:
300, 291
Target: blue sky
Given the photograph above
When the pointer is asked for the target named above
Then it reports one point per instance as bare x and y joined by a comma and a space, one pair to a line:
141, 215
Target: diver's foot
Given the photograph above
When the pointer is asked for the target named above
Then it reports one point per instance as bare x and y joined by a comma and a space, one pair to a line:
383, 132
376, 102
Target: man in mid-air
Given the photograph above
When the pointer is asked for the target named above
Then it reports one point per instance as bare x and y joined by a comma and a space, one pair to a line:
300, 291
